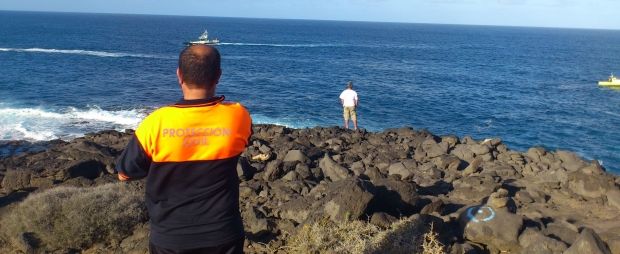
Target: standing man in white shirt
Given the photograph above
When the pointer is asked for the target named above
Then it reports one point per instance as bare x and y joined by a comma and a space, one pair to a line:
348, 99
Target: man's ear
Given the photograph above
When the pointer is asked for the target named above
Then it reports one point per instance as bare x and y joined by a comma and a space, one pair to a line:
218, 75
179, 76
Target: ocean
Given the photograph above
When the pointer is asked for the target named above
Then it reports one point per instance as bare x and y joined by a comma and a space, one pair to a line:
64, 74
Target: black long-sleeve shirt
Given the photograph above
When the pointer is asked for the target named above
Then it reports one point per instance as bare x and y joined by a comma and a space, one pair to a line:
188, 153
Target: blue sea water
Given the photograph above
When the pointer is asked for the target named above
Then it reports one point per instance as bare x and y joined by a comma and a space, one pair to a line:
63, 75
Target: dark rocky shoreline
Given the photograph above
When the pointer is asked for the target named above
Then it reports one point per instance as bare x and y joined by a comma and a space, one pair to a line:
480, 196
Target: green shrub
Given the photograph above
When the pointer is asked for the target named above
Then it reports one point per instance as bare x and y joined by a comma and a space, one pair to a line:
74, 218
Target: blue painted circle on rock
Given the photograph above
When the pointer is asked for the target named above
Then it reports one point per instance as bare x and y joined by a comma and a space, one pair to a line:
481, 214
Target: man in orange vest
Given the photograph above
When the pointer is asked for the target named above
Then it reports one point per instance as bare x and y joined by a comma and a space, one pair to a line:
188, 153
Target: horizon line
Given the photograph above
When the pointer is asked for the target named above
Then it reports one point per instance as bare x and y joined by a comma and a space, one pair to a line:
330, 20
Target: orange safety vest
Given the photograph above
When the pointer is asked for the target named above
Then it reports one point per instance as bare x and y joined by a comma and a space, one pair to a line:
188, 153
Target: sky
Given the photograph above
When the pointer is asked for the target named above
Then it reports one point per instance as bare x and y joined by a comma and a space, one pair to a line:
604, 14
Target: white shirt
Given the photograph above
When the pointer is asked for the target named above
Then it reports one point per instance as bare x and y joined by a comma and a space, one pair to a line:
349, 97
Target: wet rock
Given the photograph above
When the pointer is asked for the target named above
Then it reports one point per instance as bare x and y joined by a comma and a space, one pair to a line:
588, 242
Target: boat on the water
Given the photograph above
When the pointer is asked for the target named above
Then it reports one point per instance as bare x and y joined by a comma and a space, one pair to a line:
613, 81
204, 40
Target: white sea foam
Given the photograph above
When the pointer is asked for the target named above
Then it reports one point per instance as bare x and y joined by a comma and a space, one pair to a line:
43, 124
288, 122
279, 45
80, 52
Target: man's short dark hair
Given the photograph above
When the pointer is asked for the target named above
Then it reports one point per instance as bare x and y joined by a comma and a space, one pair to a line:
199, 65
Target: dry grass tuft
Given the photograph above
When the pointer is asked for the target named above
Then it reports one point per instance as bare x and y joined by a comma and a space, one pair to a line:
431, 244
73, 218
357, 237
329, 237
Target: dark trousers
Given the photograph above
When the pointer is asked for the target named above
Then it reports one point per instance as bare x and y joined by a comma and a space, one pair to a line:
235, 247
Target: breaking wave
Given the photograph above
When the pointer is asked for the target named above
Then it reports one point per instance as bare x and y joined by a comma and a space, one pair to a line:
36, 124
80, 52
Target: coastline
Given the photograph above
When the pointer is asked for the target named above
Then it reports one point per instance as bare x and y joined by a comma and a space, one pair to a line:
538, 199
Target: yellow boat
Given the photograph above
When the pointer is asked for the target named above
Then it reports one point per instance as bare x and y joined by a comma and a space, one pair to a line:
613, 81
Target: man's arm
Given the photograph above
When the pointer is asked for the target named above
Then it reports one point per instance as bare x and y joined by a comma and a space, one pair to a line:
134, 162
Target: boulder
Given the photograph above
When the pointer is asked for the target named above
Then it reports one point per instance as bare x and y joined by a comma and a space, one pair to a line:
561, 231
462, 151
399, 169
589, 186
435, 206
447, 162
536, 153
613, 198
434, 149
382, 220
474, 188
570, 160
255, 222
358, 168
480, 149
348, 199
534, 241
340, 201
333, 170
473, 166
394, 196
296, 156
299, 210
588, 242
499, 199
273, 170
498, 229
